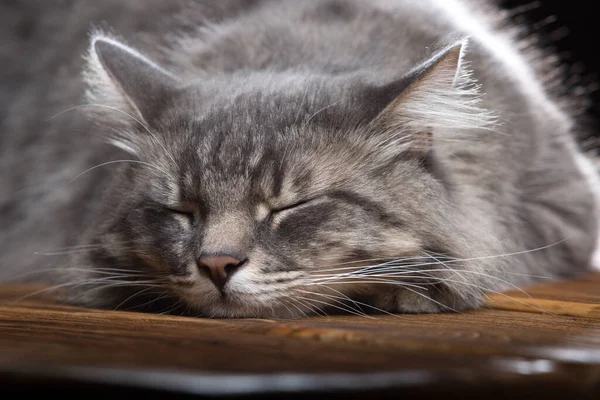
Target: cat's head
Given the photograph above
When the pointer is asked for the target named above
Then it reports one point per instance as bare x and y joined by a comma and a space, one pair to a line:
281, 193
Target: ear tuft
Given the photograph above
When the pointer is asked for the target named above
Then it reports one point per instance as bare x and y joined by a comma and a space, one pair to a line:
442, 97
125, 87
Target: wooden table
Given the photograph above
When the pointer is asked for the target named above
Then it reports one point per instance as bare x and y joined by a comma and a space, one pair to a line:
542, 342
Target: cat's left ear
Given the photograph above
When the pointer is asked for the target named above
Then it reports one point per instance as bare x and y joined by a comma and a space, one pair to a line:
430, 102
119, 76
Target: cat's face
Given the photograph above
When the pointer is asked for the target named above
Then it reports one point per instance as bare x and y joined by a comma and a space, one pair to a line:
269, 204
253, 215
265, 220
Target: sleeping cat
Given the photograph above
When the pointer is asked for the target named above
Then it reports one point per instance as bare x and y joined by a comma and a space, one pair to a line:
285, 158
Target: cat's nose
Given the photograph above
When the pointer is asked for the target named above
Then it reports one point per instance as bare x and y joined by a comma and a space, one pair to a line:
219, 268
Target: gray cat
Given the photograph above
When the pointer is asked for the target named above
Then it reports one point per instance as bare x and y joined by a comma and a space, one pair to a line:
285, 158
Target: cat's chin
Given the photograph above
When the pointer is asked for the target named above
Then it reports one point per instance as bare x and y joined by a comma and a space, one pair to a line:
229, 310
397, 302
217, 305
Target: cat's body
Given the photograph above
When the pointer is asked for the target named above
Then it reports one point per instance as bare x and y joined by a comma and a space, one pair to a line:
324, 110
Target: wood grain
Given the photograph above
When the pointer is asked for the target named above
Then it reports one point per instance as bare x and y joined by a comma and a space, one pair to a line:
578, 297
561, 327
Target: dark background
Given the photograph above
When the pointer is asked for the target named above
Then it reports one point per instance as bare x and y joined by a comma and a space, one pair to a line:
573, 28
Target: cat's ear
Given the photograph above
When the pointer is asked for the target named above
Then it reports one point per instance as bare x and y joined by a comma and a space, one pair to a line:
429, 103
119, 76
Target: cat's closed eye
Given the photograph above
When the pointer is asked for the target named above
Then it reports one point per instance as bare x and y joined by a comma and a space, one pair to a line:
276, 215
188, 210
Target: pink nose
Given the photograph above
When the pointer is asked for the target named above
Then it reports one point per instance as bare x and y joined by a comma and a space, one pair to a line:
220, 268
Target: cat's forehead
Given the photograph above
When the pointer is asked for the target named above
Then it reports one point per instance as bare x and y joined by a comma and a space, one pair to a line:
250, 144
266, 109
232, 168
246, 169
263, 103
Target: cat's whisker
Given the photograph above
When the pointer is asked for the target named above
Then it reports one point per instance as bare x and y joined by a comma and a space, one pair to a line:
357, 303
488, 290
80, 246
335, 299
129, 277
119, 161
327, 304
388, 258
17, 277
74, 251
460, 272
363, 304
377, 277
117, 269
409, 289
393, 266
437, 279
62, 253
427, 274
316, 309
291, 302
432, 300
119, 284
406, 270
358, 275
453, 259
444, 264
489, 276
510, 254
77, 284
310, 308
170, 310
358, 269
313, 307
392, 262
100, 283
371, 280
132, 296
152, 134
329, 267
282, 303
464, 281
301, 105
318, 112
164, 295
342, 295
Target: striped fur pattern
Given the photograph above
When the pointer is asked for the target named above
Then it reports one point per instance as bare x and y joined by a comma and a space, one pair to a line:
358, 157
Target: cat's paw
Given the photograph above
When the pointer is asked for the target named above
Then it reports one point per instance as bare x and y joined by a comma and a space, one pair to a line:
435, 300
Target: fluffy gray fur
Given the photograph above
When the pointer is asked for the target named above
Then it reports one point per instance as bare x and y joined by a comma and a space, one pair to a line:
360, 156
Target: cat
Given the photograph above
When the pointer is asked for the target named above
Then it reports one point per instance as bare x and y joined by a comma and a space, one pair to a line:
280, 159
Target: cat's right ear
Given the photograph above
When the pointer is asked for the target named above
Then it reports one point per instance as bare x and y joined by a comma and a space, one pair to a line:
431, 103
124, 86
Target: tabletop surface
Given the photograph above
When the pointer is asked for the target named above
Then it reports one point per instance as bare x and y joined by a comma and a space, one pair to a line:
545, 338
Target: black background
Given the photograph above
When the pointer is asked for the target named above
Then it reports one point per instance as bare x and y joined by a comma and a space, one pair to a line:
573, 28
